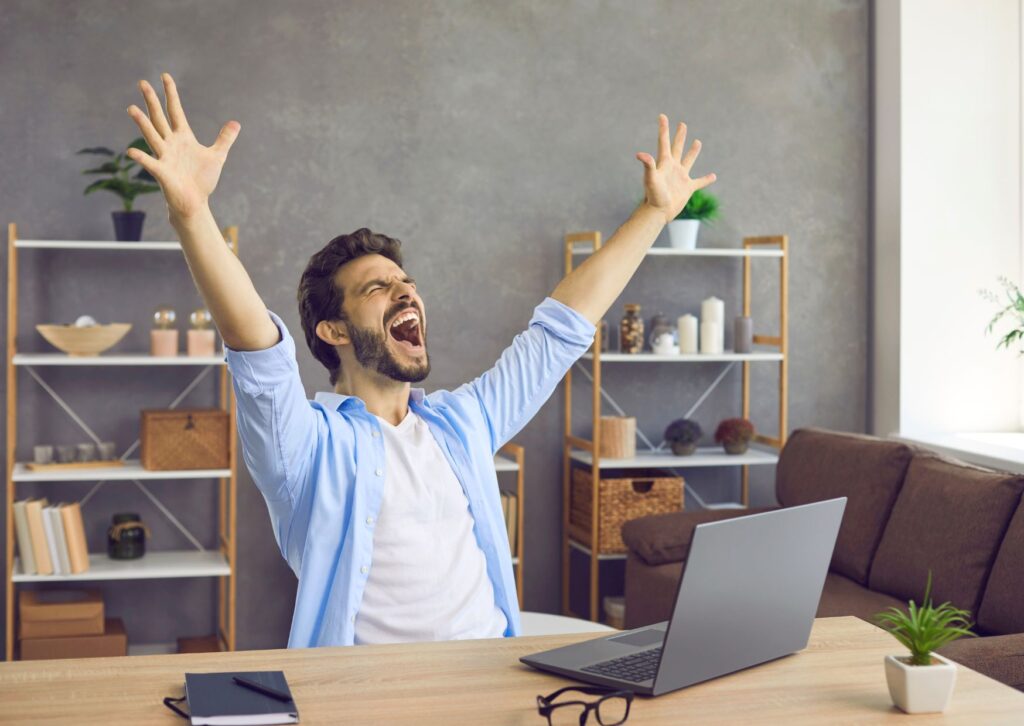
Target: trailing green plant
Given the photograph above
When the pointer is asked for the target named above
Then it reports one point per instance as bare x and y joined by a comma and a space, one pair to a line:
683, 431
734, 431
925, 628
702, 206
120, 181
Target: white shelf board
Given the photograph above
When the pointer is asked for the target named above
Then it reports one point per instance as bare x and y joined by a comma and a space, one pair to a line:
116, 359
154, 565
727, 356
586, 550
132, 469
724, 505
66, 244
699, 252
503, 463
515, 560
704, 456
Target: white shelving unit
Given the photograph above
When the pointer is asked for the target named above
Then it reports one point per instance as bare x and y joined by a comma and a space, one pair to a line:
510, 460
580, 452
168, 564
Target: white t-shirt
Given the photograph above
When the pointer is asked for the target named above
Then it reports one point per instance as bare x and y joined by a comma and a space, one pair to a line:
428, 578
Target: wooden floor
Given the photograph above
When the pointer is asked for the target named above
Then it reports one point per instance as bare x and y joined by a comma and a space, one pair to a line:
838, 679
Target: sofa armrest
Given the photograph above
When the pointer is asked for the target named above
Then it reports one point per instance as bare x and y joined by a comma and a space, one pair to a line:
997, 656
659, 539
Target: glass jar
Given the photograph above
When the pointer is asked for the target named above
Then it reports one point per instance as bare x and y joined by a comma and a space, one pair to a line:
631, 330
660, 325
126, 538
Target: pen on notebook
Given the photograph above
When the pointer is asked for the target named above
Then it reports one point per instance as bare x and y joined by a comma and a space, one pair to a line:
266, 690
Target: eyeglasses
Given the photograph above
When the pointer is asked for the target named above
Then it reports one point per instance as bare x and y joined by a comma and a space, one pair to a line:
612, 708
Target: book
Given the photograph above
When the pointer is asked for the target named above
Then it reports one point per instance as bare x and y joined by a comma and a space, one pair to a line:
51, 540
37, 532
511, 522
217, 700
60, 537
74, 531
28, 560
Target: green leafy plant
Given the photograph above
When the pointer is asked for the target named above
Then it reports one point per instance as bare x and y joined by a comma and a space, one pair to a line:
733, 431
702, 206
120, 181
926, 627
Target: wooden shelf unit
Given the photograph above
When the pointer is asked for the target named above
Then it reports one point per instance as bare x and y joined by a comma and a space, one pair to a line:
579, 451
511, 458
220, 563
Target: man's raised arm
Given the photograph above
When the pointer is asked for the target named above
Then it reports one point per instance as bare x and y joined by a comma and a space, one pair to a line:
592, 287
187, 173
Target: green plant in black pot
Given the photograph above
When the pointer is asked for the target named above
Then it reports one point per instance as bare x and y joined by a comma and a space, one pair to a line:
683, 435
121, 181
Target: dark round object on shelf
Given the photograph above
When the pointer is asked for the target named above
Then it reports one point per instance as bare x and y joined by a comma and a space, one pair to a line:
739, 447
682, 449
126, 538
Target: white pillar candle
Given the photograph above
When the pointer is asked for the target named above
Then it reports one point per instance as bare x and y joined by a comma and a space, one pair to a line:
712, 336
687, 334
712, 310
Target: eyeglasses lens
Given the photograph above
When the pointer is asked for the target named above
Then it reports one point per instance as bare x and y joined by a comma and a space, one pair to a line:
612, 710
567, 715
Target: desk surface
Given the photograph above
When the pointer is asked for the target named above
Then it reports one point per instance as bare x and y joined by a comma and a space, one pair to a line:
838, 679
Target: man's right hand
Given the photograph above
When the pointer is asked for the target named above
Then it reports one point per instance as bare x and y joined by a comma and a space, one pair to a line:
186, 170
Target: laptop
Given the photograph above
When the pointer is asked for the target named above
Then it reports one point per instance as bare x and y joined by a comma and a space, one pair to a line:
749, 592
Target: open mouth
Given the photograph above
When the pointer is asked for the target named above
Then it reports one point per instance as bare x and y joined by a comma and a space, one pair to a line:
406, 331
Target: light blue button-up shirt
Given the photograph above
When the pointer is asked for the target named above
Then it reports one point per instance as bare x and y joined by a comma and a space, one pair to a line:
320, 463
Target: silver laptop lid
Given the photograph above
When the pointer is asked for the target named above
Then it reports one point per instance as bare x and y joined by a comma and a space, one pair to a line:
749, 592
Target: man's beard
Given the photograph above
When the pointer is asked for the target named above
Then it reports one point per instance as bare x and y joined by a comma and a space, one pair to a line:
370, 348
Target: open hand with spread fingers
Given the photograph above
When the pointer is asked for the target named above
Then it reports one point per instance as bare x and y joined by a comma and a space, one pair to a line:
667, 182
186, 170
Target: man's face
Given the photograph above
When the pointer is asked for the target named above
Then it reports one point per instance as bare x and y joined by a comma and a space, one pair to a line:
385, 318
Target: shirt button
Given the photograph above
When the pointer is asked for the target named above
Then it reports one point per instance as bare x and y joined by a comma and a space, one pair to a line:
369, 520
363, 569
378, 472
376, 434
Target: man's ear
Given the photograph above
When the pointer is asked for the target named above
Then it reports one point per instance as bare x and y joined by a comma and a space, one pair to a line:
334, 332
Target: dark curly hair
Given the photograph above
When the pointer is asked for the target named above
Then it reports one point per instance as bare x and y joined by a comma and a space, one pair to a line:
319, 295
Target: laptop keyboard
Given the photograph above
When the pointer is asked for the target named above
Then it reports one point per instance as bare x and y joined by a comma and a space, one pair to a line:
636, 667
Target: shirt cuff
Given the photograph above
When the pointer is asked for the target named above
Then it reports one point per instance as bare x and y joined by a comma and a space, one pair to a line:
566, 322
257, 370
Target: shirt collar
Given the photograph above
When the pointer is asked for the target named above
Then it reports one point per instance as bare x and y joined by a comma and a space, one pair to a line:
339, 401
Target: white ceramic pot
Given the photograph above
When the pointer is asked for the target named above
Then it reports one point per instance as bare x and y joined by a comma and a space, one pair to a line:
920, 689
682, 233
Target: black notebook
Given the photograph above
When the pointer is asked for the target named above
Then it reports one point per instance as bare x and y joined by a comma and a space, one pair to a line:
216, 699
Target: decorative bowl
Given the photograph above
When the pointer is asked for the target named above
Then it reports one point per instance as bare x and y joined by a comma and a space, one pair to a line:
86, 340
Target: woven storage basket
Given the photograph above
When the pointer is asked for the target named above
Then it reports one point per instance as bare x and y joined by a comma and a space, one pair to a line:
620, 500
194, 438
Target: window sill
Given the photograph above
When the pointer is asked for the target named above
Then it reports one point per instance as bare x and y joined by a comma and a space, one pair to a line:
996, 450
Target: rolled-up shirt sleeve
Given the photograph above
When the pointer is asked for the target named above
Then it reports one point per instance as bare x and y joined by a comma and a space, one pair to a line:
278, 427
526, 374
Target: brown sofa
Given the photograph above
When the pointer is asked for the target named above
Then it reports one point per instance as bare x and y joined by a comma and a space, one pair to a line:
908, 510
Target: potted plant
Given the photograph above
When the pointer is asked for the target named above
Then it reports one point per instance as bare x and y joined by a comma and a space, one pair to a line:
923, 681
120, 181
1013, 306
734, 434
682, 231
683, 435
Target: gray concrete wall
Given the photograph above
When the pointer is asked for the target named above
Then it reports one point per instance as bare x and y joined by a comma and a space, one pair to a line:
478, 133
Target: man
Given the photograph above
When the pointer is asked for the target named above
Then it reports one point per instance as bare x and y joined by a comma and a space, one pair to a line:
384, 500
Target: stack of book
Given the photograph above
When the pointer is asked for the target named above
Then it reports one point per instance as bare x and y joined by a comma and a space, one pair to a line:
51, 539
509, 508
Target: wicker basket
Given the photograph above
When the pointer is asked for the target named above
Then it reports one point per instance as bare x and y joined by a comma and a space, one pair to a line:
619, 501
194, 438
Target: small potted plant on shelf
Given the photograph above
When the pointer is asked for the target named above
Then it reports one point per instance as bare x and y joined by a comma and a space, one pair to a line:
682, 231
683, 435
923, 681
734, 434
120, 181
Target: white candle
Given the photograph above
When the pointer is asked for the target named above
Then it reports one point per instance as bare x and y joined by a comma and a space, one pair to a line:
712, 310
712, 336
687, 334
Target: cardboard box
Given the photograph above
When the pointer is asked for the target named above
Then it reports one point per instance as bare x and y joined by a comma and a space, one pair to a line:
58, 613
112, 642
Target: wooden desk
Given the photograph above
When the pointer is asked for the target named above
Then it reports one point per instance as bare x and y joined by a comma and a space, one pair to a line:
838, 679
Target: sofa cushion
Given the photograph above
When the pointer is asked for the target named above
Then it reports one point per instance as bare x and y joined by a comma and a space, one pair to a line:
843, 596
950, 518
658, 539
999, 656
817, 464
1002, 607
